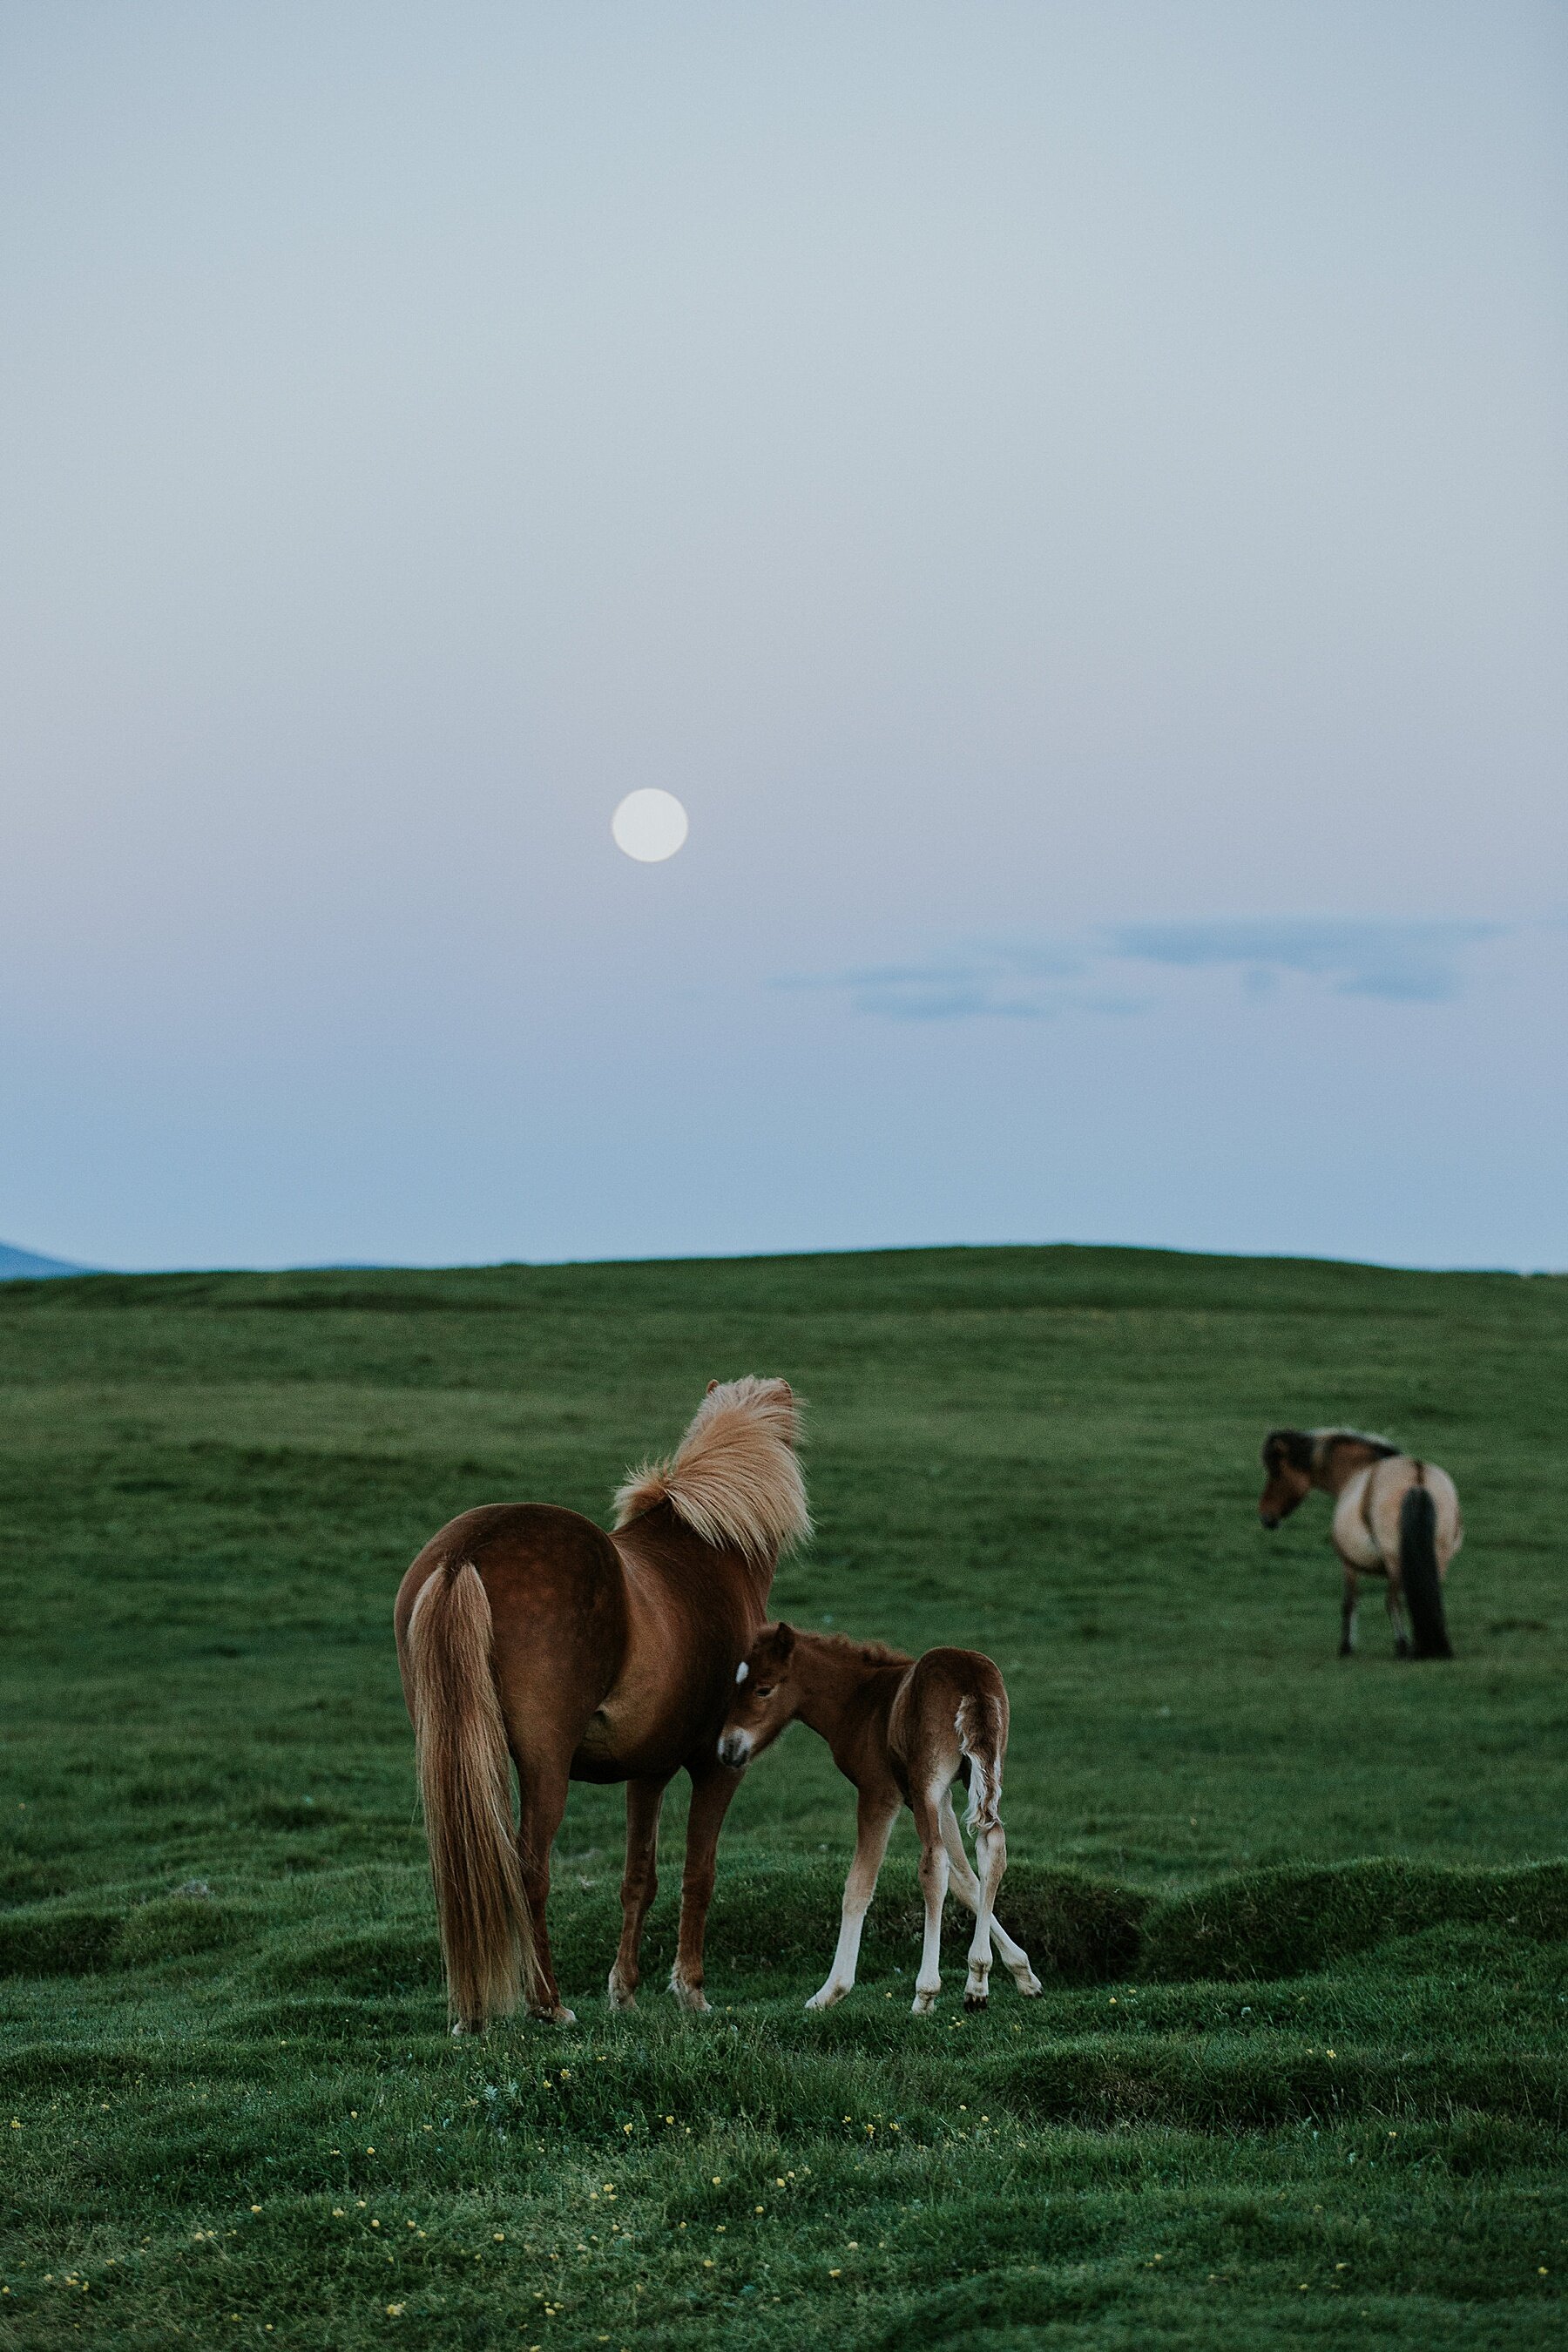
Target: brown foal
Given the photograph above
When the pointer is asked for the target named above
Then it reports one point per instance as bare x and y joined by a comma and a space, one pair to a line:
902, 1730
528, 1636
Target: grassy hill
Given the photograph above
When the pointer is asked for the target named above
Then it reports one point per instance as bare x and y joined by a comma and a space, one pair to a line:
1276, 2091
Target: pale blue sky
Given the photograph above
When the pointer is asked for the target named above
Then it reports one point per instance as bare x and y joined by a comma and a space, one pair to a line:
1072, 497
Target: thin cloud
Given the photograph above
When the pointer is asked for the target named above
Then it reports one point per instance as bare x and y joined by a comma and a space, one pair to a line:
1410, 962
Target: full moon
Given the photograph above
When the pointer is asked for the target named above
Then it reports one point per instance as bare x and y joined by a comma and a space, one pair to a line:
649, 825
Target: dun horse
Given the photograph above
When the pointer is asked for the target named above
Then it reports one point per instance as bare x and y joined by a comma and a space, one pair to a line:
1394, 1517
525, 1632
902, 1730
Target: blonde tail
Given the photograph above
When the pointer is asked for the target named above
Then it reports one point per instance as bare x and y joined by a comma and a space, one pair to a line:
465, 1785
980, 1735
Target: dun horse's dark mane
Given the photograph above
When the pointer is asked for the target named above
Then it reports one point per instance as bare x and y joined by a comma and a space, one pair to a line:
1324, 1438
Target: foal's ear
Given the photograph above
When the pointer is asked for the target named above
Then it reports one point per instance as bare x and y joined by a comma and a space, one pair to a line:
711, 1386
783, 1641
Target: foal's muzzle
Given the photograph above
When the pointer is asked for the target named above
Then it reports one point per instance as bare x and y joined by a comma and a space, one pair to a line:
734, 1748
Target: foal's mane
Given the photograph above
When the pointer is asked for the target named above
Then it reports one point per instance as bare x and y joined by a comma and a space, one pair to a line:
865, 1654
734, 1477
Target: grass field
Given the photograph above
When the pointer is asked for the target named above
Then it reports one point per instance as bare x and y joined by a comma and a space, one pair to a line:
1298, 2075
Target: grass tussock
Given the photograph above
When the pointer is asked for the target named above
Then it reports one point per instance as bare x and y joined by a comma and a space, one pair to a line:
1268, 2097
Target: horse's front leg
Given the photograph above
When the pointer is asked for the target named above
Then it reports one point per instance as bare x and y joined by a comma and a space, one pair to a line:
877, 1811
712, 1785
638, 1887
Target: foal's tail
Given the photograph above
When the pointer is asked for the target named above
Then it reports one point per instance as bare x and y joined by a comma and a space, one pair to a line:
1419, 1572
465, 1784
981, 1738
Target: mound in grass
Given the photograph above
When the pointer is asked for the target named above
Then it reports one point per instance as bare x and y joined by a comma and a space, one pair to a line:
64, 1940
1288, 1920
784, 1914
392, 1957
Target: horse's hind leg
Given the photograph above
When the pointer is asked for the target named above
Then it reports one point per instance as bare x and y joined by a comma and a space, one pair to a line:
1347, 1611
638, 1887
543, 1808
991, 1859
877, 1813
933, 1885
966, 1886
1401, 1630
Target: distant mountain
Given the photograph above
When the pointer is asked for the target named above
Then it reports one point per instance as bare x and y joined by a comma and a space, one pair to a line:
25, 1266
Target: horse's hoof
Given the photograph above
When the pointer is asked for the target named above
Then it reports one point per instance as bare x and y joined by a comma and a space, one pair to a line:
923, 2004
976, 2000
828, 1998
1347, 1650
689, 1996
559, 2015
621, 1995
1029, 1984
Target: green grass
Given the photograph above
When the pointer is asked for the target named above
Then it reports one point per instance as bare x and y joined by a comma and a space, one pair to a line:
1298, 2071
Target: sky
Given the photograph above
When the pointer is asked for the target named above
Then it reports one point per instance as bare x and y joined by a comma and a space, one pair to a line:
1070, 497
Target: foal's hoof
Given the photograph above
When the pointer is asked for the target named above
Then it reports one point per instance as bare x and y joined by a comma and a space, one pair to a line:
976, 2000
923, 2004
556, 2016
689, 1996
1027, 1982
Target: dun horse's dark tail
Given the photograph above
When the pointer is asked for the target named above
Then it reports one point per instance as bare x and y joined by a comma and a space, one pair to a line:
1419, 1576
465, 1782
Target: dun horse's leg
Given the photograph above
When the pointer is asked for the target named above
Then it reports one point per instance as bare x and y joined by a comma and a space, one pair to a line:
966, 1886
875, 1816
712, 1789
638, 1887
543, 1806
1395, 1599
1347, 1611
933, 1884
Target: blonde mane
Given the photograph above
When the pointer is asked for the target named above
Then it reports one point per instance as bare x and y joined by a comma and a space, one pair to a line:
734, 1478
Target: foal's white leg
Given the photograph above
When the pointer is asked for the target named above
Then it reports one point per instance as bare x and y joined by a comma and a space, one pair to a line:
933, 1881
990, 1855
874, 1827
966, 1886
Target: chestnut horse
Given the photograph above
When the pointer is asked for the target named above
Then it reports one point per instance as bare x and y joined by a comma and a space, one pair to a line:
903, 1731
1394, 1517
527, 1633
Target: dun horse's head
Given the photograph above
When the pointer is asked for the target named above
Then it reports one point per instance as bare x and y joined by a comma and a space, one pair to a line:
766, 1696
1288, 1459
